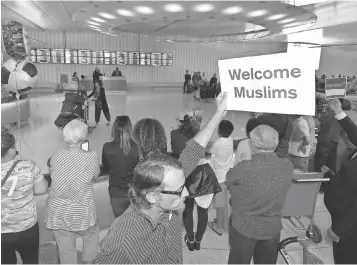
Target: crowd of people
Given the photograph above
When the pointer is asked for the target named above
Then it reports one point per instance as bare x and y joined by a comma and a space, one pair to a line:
196, 81
149, 188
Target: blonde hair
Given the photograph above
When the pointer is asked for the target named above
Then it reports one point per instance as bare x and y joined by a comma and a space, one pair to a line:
122, 133
264, 138
75, 132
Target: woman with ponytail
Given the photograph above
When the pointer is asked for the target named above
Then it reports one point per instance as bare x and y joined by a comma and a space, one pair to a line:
119, 159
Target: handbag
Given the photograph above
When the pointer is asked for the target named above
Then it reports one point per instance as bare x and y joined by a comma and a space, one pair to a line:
8, 173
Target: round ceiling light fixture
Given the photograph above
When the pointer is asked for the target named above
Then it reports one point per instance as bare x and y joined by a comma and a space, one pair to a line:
93, 23
288, 20
257, 13
276, 17
174, 8
125, 13
144, 10
203, 8
232, 10
97, 19
106, 15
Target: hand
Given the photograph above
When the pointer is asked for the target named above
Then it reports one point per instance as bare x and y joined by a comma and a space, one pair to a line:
331, 236
335, 105
303, 148
221, 101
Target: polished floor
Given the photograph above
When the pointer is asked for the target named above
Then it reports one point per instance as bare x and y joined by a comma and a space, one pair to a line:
39, 138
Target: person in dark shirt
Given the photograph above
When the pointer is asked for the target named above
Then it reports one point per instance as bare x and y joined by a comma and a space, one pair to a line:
117, 72
341, 196
119, 159
187, 78
182, 135
100, 101
96, 75
284, 126
213, 81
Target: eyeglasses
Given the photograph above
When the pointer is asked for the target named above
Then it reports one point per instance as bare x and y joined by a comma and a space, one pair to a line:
178, 192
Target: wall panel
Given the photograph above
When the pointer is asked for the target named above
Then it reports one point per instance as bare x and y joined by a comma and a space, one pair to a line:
192, 56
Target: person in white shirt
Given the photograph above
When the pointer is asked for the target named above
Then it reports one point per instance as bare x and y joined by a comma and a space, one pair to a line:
222, 160
299, 146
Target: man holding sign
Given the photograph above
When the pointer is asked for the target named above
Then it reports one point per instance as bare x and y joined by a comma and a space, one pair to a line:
277, 83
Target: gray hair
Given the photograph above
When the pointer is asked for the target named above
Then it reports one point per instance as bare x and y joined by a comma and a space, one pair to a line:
264, 138
75, 132
148, 176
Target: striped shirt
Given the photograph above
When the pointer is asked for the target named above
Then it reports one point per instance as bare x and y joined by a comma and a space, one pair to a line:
134, 238
18, 205
70, 204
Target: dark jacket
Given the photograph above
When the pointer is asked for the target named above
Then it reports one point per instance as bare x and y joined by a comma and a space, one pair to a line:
202, 181
341, 192
102, 98
187, 77
284, 126
213, 81
119, 167
96, 75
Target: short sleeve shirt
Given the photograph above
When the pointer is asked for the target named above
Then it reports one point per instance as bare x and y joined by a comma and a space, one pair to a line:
18, 205
222, 158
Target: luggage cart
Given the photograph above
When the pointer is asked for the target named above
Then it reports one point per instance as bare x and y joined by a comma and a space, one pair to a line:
301, 201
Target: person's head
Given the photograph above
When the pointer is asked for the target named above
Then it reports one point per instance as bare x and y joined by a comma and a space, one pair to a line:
186, 71
150, 134
264, 139
82, 77
214, 75
158, 182
97, 69
75, 133
8, 148
203, 73
98, 83
225, 129
74, 74
122, 133
117, 68
199, 73
186, 126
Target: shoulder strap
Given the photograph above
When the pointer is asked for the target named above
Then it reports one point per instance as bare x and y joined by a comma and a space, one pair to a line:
9, 172
141, 157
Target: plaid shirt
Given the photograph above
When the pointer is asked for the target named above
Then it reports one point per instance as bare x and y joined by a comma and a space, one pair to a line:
134, 238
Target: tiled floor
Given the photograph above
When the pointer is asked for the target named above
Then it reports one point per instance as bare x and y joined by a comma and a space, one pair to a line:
38, 139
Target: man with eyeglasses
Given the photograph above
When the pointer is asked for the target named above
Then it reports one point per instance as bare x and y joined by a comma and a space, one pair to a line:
149, 232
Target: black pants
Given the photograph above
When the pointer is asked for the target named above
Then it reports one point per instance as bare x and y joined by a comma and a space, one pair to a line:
188, 220
184, 86
119, 200
326, 154
98, 111
25, 242
344, 251
243, 249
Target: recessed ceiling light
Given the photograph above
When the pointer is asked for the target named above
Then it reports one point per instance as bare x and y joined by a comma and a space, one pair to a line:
203, 8
288, 20
97, 19
93, 23
232, 10
106, 15
144, 10
257, 13
276, 17
173, 8
125, 13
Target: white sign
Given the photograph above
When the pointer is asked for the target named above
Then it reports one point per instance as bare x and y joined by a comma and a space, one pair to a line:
277, 83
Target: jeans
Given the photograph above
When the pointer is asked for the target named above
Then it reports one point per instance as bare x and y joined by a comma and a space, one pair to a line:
25, 242
188, 220
119, 200
344, 251
243, 249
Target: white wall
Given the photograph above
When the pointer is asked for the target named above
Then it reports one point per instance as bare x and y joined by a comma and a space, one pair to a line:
191, 56
336, 61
